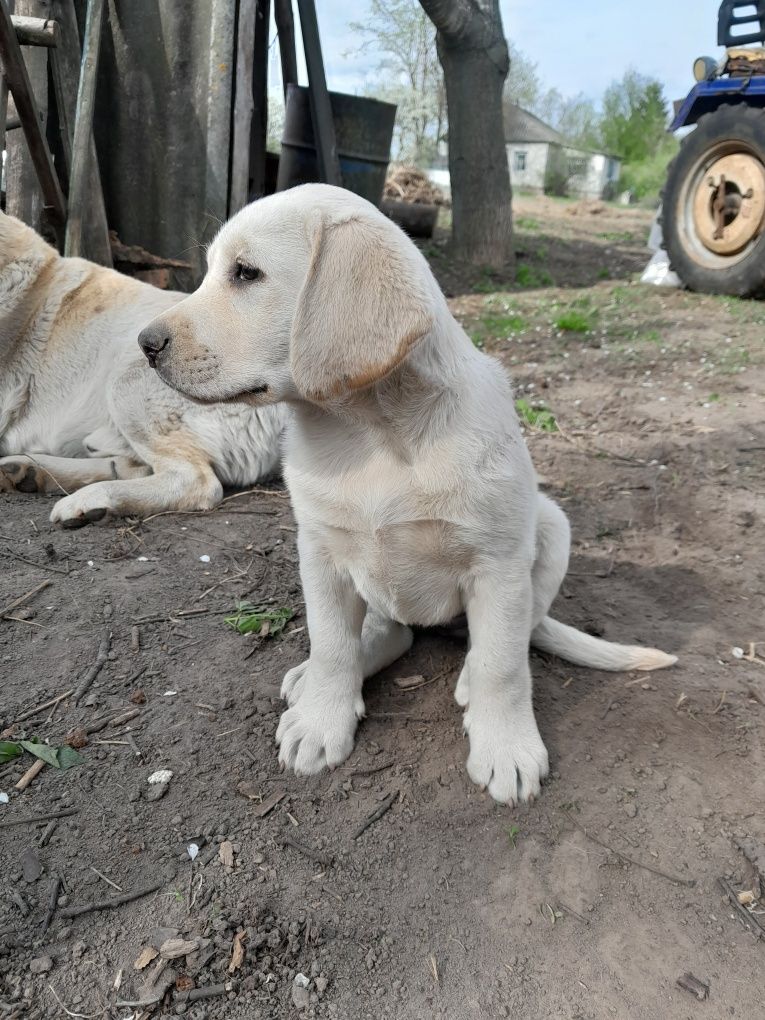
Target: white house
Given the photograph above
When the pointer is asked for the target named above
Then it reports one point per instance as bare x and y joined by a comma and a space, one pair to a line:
542, 160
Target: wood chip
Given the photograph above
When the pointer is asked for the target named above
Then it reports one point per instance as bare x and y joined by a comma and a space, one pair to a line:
694, 986
250, 791
173, 949
237, 952
147, 954
409, 683
226, 854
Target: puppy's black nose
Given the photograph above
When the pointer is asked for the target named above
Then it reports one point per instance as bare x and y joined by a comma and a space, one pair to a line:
153, 340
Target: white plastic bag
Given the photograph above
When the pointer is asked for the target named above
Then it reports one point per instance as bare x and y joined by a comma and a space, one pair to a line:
657, 271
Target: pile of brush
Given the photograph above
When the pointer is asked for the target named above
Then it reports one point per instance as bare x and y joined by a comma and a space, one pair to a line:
410, 184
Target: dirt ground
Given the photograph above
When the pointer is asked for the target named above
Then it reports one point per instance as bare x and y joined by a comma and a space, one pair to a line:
590, 903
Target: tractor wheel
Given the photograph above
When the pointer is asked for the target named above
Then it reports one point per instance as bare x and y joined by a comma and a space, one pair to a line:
713, 204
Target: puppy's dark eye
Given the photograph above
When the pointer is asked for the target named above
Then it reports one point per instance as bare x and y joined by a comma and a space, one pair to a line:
246, 274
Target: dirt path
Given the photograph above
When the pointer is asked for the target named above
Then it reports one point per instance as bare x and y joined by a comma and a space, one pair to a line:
447, 905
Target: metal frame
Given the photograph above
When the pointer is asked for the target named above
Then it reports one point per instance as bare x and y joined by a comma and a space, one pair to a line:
708, 95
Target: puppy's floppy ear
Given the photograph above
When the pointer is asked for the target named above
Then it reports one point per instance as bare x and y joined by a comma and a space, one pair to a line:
363, 307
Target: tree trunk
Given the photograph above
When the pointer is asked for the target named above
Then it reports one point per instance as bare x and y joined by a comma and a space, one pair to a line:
474, 57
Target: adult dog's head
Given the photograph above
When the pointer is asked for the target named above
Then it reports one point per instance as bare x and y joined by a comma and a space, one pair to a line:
309, 295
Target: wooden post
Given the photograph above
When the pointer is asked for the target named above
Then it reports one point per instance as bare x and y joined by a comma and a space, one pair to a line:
65, 67
35, 31
321, 108
285, 28
243, 106
23, 200
259, 87
83, 125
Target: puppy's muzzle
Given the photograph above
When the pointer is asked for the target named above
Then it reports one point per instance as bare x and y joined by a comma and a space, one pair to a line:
154, 339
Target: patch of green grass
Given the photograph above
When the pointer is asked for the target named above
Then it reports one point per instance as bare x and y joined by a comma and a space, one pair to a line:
530, 276
265, 621
526, 223
604, 274
617, 235
574, 321
502, 325
713, 398
513, 832
536, 417
651, 336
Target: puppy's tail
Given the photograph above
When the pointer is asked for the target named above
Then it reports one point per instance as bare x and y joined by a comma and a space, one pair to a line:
584, 650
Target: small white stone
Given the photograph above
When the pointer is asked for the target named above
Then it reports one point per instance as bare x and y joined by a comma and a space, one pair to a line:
737, 653
204, 559
162, 776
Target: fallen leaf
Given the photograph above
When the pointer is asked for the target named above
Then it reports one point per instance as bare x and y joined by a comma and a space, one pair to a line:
68, 757
173, 949
138, 697
9, 749
184, 983
237, 952
747, 898
48, 754
147, 954
226, 854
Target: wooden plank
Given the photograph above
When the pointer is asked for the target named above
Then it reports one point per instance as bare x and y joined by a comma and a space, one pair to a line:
3, 114
285, 27
24, 97
65, 67
35, 31
321, 109
239, 186
83, 127
259, 86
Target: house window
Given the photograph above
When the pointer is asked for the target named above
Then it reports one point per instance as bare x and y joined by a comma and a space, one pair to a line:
519, 161
577, 166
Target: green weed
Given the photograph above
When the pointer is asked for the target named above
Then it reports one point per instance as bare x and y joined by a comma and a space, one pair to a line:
536, 417
574, 321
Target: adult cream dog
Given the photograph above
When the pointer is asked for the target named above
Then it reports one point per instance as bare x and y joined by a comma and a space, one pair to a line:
412, 486
81, 413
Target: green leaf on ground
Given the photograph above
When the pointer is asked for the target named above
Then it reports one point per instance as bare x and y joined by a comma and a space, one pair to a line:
265, 621
9, 749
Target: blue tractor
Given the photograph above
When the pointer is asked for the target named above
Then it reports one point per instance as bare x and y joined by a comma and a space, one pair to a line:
713, 204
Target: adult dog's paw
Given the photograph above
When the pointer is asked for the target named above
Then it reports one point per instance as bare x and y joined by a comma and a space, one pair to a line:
83, 507
507, 755
317, 732
19, 474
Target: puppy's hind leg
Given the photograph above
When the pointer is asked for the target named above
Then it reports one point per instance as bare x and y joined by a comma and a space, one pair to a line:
553, 541
382, 642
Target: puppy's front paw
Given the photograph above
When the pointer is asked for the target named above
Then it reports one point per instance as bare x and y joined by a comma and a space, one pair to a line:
506, 753
317, 731
293, 683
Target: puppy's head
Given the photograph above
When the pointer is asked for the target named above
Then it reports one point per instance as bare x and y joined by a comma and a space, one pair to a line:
309, 295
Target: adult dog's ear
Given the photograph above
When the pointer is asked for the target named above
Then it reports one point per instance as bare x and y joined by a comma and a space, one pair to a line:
363, 307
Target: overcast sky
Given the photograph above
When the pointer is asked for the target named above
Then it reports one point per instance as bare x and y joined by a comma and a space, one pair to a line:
579, 45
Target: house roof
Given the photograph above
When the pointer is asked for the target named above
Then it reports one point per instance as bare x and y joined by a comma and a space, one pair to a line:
522, 126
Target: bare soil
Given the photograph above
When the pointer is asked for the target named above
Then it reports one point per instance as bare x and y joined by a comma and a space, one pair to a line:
448, 905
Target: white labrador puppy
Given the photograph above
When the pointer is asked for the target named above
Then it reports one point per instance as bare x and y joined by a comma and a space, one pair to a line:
412, 486
81, 413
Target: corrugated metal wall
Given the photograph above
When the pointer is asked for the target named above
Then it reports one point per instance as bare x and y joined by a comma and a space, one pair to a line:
163, 123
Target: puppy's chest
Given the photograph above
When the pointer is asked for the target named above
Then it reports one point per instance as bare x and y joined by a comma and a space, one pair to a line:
402, 547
